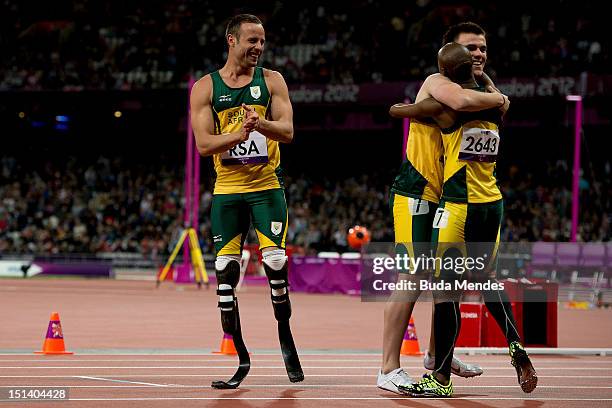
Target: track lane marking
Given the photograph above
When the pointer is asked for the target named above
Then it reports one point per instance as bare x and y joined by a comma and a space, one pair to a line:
247, 386
455, 398
86, 377
268, 367
270, 375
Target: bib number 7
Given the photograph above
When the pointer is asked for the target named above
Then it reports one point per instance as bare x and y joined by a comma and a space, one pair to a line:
441, 218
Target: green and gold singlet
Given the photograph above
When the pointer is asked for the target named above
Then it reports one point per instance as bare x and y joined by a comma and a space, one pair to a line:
421, 174
252, 165
470, 152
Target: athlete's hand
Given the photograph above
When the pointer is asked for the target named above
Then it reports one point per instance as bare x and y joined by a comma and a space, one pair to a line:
248, 123
251, 118
244, 135
504, 108
491, 88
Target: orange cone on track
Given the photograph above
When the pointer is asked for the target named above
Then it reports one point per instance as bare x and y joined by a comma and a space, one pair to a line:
410, 344
54, 340
227, 345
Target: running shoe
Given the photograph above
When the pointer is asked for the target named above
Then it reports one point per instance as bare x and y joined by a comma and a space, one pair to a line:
393, 379
429, 386
527, 377
458, 367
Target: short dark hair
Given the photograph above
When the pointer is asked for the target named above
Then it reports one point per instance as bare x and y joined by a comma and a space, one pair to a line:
468, 27
233, 26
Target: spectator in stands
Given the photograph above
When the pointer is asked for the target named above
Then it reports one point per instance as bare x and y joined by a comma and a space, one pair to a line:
108, 206
136, 45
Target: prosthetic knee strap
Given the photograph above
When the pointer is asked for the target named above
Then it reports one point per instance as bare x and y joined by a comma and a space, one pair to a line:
228, 274
275, 265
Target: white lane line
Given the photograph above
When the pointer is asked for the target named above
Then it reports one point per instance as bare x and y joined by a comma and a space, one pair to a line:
275, 375
205, 354
270, 367
85, 377
455, 398
272, 360
222, 358
489, 351
247, 386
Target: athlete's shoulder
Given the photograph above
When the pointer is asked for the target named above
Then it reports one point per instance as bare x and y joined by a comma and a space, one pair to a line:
435, 79
431, 82
274, 80
273, 76
206, 80
270, 73
203, 87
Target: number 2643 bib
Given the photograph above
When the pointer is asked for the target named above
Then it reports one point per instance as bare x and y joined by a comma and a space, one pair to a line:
479, 145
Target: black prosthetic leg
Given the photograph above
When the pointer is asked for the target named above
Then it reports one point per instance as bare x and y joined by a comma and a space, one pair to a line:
282, 313
227, 279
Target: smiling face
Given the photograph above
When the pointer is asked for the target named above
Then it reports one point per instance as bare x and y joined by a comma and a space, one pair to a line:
477, 45
247, 46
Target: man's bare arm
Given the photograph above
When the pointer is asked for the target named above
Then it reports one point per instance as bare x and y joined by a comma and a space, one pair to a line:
207, 142
426, 109
490, 87
280, 125
460, 99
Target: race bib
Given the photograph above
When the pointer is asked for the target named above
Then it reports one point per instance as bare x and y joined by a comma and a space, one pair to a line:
441, 218
418, 206
480, 145
251, 151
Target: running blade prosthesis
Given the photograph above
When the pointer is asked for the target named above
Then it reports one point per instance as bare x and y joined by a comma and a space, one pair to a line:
244, 364
290, 355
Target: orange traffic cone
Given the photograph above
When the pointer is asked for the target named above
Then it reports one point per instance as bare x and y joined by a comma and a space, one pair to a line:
227, 345
410, 344
54, 340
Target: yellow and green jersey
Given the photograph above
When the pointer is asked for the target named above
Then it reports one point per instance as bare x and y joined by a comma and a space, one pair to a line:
470, 152
420, 176
252, 165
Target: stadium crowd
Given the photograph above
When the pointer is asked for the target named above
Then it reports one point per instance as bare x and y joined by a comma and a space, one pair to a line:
114, 206
79, 44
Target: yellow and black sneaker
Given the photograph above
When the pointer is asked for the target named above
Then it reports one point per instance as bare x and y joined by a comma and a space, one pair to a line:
527, 377
429, 386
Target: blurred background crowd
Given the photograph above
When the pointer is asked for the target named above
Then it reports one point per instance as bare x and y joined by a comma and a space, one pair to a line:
113, 206
139, 44
55, 200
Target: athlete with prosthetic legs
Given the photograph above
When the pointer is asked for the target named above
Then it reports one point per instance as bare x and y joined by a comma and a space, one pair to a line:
240, 113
